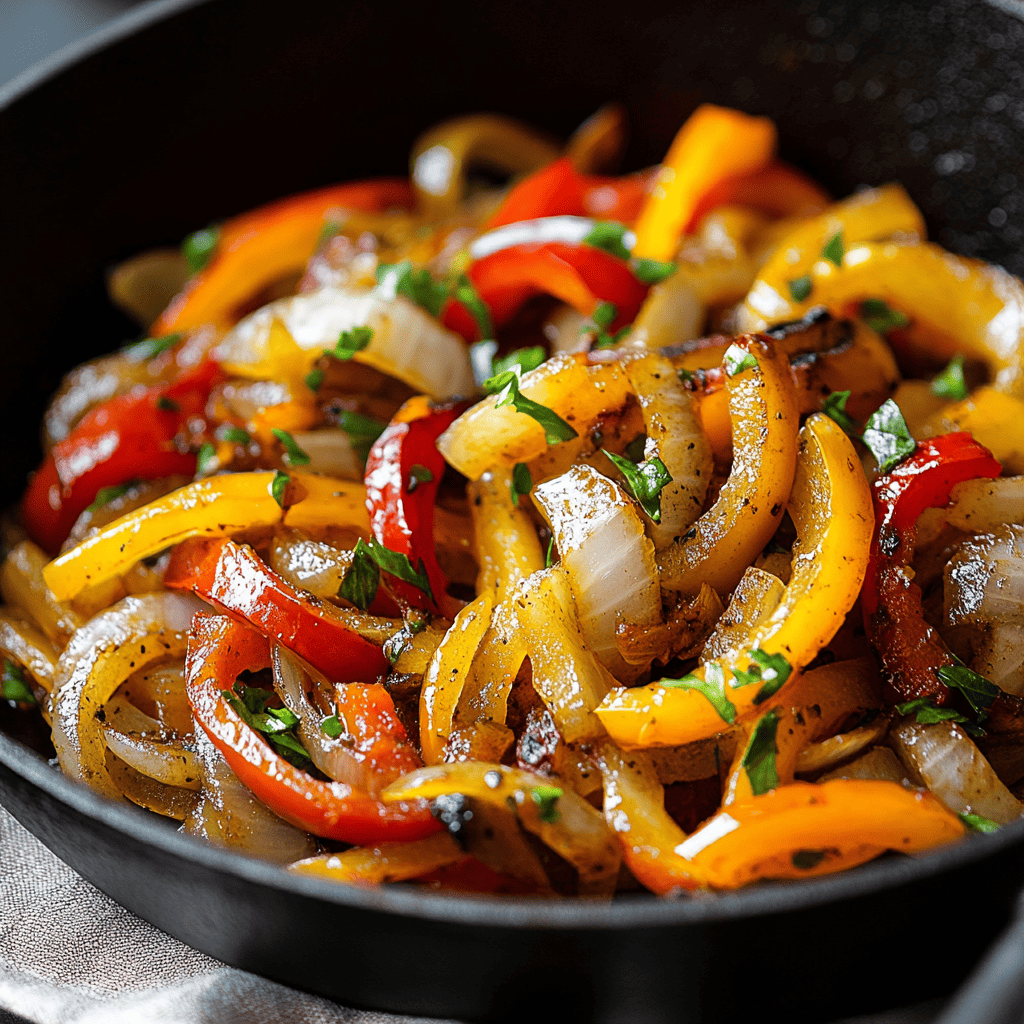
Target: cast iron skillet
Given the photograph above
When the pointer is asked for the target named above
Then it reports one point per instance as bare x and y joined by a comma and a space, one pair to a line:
186, 112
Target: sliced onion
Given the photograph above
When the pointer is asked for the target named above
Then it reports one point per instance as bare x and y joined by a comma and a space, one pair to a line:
330, 452
946, 760
27, 646
407, 342
826, 753
169, 763
878, 763
171, 801
609, 561
674, 435
136, 632
229, 815
756, 596
981, 506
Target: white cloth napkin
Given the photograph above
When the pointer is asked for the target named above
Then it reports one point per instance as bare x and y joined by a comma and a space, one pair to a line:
71, 955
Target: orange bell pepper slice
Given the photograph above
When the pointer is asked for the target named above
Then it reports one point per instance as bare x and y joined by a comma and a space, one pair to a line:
713, 145
258, 248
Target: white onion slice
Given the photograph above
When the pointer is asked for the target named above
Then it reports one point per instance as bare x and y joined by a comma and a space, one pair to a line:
407, 342
610, 562
330, 452
169, 763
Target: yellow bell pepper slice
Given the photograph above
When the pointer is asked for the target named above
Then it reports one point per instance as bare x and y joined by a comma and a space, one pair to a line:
733, 532
831, 508
994, 419
871, 215
385, 862
714, 144
219, 506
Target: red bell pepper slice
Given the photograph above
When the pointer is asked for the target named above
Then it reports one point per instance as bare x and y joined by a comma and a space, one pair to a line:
234, 578
400, 496
144, 434
218, 650
911, 650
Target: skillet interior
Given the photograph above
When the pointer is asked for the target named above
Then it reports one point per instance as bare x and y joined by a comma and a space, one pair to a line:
191, 112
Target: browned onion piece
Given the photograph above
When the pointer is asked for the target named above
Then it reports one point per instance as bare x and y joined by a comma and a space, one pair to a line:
170, 763
170, 801
756, 596
826, 753
877, 763
29, 648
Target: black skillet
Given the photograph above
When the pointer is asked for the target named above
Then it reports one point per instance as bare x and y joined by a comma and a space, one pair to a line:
183, 113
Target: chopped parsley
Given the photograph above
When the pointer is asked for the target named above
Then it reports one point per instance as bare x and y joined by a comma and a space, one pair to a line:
148, 348
363, 577
293, 454
759, 757
463, 291
350, 342
331, 726
13, 685
199, 247
314, 379
737, 359
887, 436
712, 686
506, 386
976, 823
521, 483
278, 486
881, 317
417, 285
236, 435
549, 556
205, 459
644, 481
604, 317
362, 431
545, 797
977, 690
950, 383
608, 235
771, 670
276, 724
105, 495
634, 451
927, 712
834, 406
526, 359
418, 475
800, 288
834, 250
651, 271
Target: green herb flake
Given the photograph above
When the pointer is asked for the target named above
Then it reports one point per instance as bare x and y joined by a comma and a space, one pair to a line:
362, 580
950, 384
294, 455
398, 565
634, 451
651, 271
887, 436
13, 685
205, 459
976, 823
332, 727
712, 687
314, 379
521, 483
977, 690
834, 250
806, 860
362, 431
881, 317
545, 797
166, 404
417, 285
928, 713
464, 291
277, 725
148, 348
771, 670
278, 486
605, 314
236, 435
327, 232
549, 557
800, 288
350, 342
759, 757
737, 359
686, 376
105, 495
199, 247
834, 407
506, 387
644, 481
526, 359
608, 236
418, 475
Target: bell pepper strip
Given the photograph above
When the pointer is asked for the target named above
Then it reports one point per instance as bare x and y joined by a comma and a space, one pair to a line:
442, 156
383, 862
869, 216
619, 199
729, 536
714, 144
403, 471
218, 650
805, 829
559, 817
487, 435
555, 189
775, 189
830, 506
144, 434
578, 274
233, 578
258, 248
993, 418
218, 506
910, 648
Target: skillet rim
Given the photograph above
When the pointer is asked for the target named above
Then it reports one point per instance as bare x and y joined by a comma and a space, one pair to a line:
627, 912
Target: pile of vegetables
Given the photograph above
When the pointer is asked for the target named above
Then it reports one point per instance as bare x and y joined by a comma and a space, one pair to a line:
595, 532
